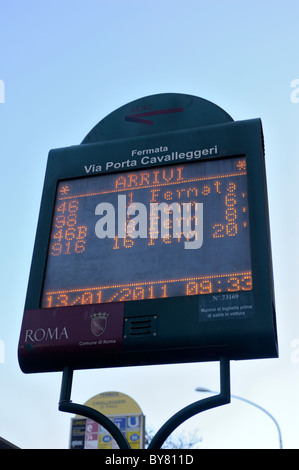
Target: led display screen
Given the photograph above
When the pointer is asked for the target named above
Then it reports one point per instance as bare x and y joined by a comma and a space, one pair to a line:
162, 232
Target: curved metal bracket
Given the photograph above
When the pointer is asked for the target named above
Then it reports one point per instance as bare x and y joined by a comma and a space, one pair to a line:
65, 404
224, 397
202, 405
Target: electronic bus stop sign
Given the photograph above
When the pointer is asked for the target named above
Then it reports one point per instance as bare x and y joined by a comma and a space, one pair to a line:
153, 244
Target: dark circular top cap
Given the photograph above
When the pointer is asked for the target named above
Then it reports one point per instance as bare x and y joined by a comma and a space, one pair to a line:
157, 113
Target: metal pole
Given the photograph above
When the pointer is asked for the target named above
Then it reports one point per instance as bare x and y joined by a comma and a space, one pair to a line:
267, 413
199, 389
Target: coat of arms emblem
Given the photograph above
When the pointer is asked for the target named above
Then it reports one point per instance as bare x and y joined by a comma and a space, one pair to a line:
98, 323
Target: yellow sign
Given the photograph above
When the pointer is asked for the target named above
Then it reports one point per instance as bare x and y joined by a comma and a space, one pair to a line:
114, 403
123, 411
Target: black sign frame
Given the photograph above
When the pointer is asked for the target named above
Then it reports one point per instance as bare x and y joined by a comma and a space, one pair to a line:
176, 331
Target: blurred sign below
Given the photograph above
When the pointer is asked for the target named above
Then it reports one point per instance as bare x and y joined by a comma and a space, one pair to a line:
122, 410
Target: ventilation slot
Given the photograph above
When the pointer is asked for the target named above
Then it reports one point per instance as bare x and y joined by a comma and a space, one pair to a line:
140, 326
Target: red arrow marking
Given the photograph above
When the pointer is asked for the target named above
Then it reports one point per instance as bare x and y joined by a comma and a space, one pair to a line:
137, 117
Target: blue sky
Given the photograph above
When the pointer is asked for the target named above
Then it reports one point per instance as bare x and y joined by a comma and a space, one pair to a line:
66, 65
